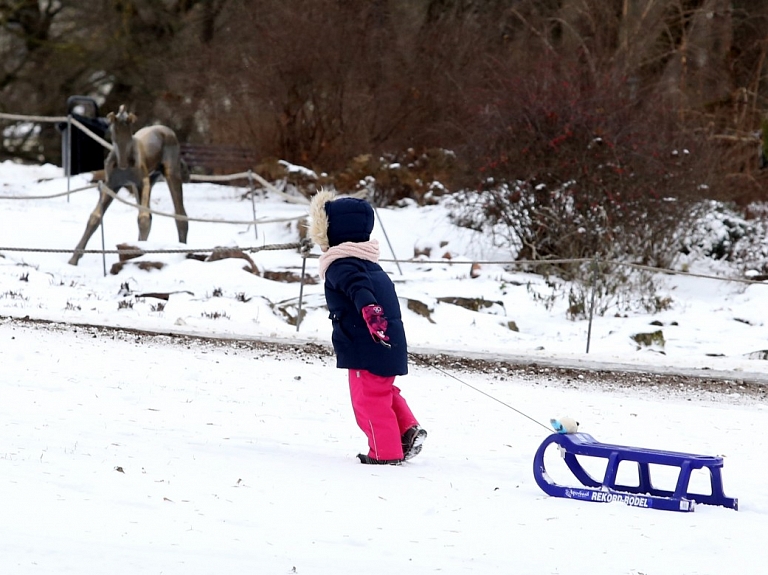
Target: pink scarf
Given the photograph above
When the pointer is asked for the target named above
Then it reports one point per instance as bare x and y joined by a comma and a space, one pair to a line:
363, 250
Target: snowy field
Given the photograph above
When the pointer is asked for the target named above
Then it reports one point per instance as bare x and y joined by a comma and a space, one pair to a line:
125, 453
131, 454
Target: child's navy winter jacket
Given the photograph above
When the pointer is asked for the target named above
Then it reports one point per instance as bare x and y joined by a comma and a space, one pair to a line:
350, 285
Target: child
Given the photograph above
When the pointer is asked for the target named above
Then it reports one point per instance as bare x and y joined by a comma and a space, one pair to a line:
368, 336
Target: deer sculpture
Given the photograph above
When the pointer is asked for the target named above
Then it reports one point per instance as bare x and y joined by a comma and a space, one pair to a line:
136, 162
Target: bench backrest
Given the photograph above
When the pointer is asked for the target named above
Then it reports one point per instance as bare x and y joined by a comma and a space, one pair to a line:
218, 159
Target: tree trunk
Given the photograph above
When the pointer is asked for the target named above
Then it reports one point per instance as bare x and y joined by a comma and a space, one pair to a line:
699, 75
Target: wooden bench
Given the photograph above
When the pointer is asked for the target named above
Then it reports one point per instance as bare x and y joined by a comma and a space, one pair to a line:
218, 159
644, 494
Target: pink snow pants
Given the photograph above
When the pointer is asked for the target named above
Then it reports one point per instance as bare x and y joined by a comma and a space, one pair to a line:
381, 412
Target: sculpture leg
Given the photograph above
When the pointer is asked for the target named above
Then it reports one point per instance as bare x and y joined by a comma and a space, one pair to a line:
94, 221
145, 218
174, 185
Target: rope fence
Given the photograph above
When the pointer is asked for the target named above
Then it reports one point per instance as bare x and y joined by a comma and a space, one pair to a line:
50, 196
305, 246
141, 251
221, 178
107, 190
445, 262
250, 174
539, 263
25, 118
90, 134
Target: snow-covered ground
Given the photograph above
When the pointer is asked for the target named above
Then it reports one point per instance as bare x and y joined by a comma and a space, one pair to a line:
125, 453
714, 325
129, 454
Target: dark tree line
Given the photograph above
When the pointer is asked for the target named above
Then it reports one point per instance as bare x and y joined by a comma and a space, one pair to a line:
504, 84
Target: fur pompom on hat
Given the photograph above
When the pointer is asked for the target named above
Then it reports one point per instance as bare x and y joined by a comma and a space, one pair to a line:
334, 220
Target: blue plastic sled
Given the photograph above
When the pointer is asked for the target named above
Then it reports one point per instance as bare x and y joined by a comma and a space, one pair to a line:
642, 495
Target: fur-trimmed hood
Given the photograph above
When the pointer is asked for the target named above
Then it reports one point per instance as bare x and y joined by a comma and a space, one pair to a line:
337, 219
318, 218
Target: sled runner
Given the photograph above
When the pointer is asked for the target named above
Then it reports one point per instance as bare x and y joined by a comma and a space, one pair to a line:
644, 494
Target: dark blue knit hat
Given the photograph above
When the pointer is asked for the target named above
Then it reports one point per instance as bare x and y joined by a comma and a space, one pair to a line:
349, 220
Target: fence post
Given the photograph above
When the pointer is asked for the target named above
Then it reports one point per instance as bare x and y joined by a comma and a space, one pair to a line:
386, 237
253, 204
595, 262
103, 247
68, 162
306, 247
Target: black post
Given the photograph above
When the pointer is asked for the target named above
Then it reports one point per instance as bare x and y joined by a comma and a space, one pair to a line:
306, 247
592, 299
253, 204
67, 161
103, 246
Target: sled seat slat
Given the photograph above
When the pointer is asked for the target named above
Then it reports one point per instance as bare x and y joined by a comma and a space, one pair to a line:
644, 494
585, 444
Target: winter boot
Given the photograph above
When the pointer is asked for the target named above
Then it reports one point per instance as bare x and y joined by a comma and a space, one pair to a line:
412, 440
368, 460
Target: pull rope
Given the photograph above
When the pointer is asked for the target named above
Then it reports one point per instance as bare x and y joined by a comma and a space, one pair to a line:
423, 362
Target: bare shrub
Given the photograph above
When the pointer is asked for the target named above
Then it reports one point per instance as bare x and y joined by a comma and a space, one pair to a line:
215, 315
598, 288
388, 178
13, 295
574, 169
605, 287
